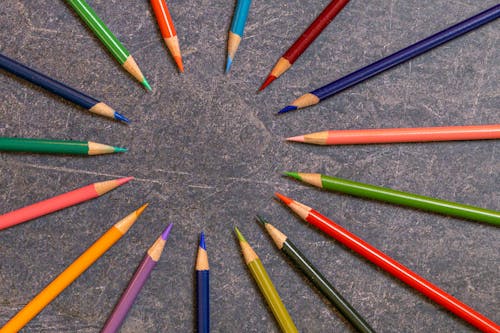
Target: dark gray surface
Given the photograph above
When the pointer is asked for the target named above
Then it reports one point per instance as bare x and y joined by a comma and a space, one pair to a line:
207, 153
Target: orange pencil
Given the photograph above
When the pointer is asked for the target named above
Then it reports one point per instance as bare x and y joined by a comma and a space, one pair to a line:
394, 135
168, 30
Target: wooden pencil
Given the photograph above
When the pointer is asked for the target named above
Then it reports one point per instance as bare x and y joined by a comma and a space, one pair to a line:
203, 287
390, 265
167, 30
399, 135
286, 246
114, 46
398, 197
314, 97
71, 273
136, 283
48, 146
266, 286
59, 88
59, 202
302, 43
236, 31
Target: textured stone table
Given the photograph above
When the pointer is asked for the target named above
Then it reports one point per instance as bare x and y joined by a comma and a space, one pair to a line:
207, 153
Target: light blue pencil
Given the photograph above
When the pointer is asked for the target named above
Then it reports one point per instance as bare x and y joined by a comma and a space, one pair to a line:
236, 32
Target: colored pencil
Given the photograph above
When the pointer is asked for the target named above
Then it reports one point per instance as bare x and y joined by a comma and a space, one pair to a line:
114, 46
398, 197
59, 88
167, 30
315, 277
203, 287
398, 135
392, 266
236, 31
302, 43
136, 283
266, 286
71, 273
59, 202
29, 145
314, 97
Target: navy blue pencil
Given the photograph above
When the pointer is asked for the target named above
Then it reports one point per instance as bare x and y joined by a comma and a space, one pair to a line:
202, 287
58, 88
314, 97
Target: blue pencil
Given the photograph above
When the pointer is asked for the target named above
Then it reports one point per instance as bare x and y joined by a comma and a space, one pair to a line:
236, 32
58, 88
314, 97
202, 287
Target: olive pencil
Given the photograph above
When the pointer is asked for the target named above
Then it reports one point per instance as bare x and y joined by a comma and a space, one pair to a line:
390, 265
59, 202
114, 46
48, 146
302, 43
236, 31
398, 135
398, 197
59, 88
266, 286
314, 275
136, 283
71, 273
203, 287
414, 50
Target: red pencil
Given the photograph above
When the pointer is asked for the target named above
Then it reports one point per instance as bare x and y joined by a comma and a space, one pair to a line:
59, 202
390, 265
395, 135
303, 42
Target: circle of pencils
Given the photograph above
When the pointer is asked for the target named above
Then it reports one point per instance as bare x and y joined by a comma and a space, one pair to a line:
29, 145
398, 197
136, 283
397, 135
71, 273
266, 286
392, 266
302, 43
167, 30
59, 202
59, 88
203, 287
236, 31
314, 275
314, 97
114, 46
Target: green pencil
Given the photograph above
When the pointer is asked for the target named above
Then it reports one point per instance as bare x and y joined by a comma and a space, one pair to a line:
398, 197
266, 286
114, 46
57, 146
314, 275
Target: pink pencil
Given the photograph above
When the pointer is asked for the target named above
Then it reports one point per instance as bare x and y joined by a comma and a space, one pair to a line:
393, 135
59, 202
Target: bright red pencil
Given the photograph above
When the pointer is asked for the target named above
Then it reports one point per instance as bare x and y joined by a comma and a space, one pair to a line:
390, 265
303, 42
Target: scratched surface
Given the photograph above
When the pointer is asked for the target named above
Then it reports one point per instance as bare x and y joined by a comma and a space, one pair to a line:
207, 153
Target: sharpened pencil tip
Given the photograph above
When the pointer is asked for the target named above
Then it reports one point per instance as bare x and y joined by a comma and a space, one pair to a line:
286, 200
239, 235
120, 117
260, 220
178, 61
202, 241
145, 83
165, 232
267, 82
294, 175
288, 108
120, 149
141, 209
124, 180
229, 62
299, 138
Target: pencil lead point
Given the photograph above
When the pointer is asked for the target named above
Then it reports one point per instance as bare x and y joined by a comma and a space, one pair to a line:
120, 117
178, 61
124, 180
229, 62
165, 232
239, 235
287, 201
202, 241
299, 138
145, 83
141, 209
287, 109
260, 220
120, 149
294, 175
267, 82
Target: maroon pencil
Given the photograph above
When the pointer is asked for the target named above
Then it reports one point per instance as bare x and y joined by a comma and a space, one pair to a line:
136, 283
303, 42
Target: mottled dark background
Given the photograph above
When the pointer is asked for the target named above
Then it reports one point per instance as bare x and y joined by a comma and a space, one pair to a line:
207, 153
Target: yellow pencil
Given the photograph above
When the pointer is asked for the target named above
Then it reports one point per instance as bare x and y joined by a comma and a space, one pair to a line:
71, 273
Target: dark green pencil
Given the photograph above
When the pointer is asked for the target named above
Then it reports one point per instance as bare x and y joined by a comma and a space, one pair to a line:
299, 260
57, 146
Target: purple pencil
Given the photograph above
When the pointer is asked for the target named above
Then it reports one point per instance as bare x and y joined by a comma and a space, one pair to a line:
135, 285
